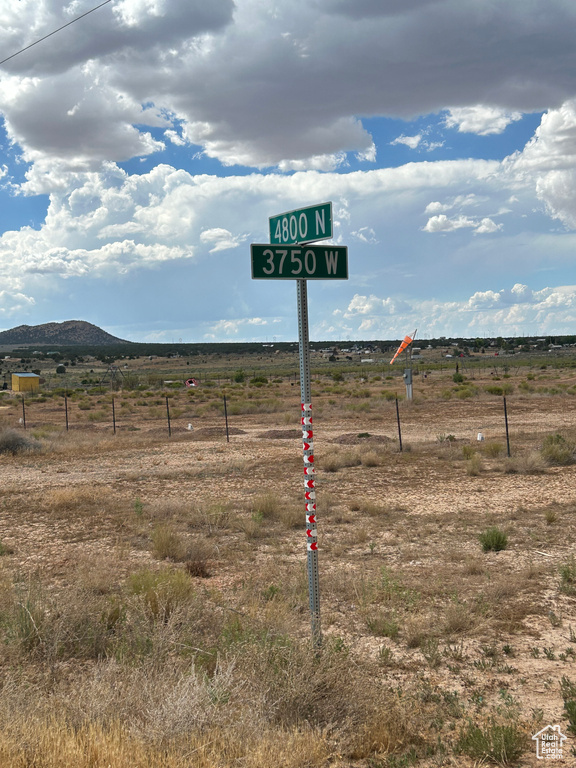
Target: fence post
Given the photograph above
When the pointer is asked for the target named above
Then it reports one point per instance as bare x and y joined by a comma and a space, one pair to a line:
507, 431
23, 413
113, 416
168, 416
226, 419
66, 410
399, 429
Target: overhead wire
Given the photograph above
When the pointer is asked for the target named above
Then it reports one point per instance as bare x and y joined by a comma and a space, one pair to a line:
54, 32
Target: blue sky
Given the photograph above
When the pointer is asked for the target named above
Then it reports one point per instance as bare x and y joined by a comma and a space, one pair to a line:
143, 148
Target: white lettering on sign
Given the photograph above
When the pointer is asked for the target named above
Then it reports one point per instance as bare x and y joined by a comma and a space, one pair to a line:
321, 221
310, 262
275, 261
295, 258
331, 262
290, 229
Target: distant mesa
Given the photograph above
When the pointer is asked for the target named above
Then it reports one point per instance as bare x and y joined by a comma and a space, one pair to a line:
68, 333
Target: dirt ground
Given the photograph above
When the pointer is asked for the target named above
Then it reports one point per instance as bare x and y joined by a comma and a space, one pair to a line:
497, 628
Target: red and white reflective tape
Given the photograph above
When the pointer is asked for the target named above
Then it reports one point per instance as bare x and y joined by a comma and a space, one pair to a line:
309, 472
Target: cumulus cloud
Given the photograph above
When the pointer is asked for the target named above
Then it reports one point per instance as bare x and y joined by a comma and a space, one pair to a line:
292, 98
442, 223
372, 305
409, 141
221, 239
548, 163
365, 234
234, 327
14, 303
506, 312
480, 119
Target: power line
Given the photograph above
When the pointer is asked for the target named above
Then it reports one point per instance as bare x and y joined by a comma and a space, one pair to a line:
55, 31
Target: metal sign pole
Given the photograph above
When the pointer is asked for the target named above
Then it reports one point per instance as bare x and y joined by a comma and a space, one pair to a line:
309, 472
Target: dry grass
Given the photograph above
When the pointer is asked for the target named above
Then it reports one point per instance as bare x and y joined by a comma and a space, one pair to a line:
168, 544
530, 463
116, 651
78, 499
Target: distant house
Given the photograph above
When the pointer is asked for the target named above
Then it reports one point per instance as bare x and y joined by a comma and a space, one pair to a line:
25, 382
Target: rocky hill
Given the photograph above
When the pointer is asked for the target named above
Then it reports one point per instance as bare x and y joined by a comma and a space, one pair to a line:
59, 334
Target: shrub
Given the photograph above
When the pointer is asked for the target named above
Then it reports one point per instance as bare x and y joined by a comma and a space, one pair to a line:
370, 459
493, 539
383, 625
15, 442
197, 555
493, 450
457, 378
497, 742
557, 451
474, 465
269, 506
468, 451
337, 459
530, 463
568, 577
161, 591
167, 544
568, 690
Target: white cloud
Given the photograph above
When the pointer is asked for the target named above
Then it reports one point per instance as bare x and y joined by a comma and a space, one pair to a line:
488, 313
441, 223
409, 141
317, 163
366, 235
460, 201
233, 327
487, 227
175, 138
13, 303
290, 97
221, 239
480, 119
548, 163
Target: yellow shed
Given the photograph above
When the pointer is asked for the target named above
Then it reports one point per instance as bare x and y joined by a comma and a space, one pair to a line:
25, 382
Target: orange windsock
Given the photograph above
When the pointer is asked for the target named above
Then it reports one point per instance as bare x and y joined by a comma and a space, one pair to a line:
407, 341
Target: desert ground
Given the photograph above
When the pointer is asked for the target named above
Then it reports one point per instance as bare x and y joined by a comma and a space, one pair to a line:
154, 599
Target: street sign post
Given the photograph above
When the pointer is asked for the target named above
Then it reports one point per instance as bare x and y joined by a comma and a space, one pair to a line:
304, 225
311, 262
289, 256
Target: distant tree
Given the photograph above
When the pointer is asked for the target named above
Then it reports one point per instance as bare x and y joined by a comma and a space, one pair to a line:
61, 369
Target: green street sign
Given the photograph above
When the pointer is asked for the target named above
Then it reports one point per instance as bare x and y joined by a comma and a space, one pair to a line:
309, 262
305, 225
